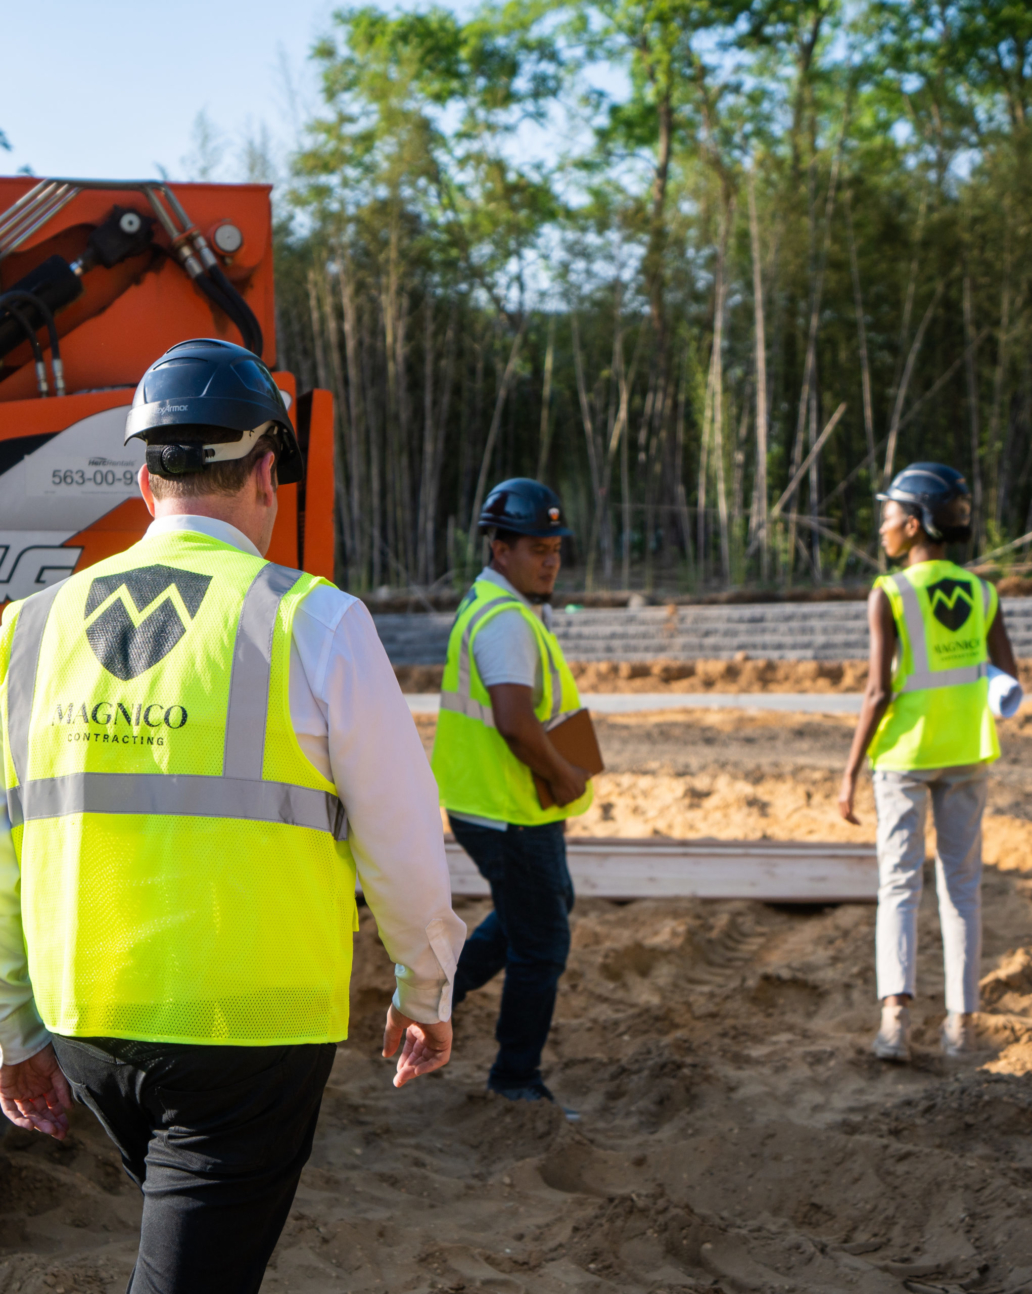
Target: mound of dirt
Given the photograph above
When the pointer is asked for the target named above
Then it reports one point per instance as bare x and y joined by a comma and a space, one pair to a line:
685, 676
735, 1133
746, 675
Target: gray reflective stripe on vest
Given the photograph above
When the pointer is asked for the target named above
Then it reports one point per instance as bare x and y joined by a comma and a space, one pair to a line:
557, 686
923, 676
464, 689
462, 701
21, 673
174, 794
240, 793
252, 667
468, 706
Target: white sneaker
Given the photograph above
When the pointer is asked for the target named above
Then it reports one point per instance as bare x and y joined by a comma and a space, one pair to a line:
958, 1035
893, 1040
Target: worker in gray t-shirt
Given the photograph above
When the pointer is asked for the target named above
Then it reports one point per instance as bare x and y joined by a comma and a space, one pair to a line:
506, 651
505, 684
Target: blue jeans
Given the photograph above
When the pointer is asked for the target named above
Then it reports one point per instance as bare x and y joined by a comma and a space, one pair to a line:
527, 935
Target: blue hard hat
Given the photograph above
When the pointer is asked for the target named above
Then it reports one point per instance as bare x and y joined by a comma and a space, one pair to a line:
210, 383
524, 507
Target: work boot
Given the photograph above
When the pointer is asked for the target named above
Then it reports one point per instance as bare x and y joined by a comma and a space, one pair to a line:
958, 1036
537, 1092
893, 1038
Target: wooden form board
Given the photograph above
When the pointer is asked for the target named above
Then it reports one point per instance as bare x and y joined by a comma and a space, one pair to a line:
772, 871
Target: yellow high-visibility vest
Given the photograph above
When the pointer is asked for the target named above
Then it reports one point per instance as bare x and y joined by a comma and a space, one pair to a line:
184, 872
476, 771
939, 716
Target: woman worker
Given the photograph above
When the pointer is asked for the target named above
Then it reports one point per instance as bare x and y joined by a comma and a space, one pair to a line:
927, 725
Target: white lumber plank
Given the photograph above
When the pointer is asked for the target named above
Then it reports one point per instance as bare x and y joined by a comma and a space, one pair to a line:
786, 872
636, 702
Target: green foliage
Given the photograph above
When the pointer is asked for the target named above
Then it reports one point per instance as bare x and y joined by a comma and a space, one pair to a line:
562, 189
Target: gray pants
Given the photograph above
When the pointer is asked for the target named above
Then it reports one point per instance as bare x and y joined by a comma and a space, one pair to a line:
958, 797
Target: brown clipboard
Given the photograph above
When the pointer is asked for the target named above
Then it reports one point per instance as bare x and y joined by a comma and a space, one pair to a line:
574, 738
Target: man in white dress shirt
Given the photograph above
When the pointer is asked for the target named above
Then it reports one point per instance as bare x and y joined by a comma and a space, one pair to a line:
183, 970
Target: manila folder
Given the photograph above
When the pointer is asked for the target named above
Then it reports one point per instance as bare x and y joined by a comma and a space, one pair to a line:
574, 738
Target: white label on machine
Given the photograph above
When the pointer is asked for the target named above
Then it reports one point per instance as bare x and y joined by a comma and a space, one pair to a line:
60, 475
75, 478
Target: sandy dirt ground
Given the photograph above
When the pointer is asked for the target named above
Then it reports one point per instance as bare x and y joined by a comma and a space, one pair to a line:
735, 1132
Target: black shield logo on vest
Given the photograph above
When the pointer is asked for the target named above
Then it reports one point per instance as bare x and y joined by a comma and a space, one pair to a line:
126, 644
952, 602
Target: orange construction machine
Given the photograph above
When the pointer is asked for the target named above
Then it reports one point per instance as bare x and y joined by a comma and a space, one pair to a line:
106, 276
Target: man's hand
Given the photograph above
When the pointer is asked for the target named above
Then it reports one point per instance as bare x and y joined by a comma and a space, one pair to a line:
513, 708
427, 1046
568, 783
35, 1094
846, 796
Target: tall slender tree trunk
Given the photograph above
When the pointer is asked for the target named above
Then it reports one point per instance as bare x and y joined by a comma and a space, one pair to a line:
994, 506
625, 508
718, 392
356, 421
375, 421
589, 436
545, 439
402, 476
341, 463
322, 368
816, 294
389, 321
865, 368
738, 485
815, 538
680, 496
439, 438
759, 518
977, 520
485, 463
424, 524
704, 447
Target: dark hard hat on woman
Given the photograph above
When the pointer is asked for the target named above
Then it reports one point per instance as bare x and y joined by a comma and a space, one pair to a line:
523, 507
938, 495
203, 384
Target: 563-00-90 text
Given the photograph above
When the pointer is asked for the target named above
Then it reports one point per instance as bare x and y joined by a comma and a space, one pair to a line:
99, 476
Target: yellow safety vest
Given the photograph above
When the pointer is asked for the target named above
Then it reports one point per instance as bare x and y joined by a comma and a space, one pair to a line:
476, 771
184, 873
939, 715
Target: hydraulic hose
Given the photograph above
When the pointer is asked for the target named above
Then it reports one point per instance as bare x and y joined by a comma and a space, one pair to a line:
30, 333
229, 307
47, 315
253, 338
190, 248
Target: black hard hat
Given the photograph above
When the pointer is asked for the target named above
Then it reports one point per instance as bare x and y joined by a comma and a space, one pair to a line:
212, 384
939, 494
525, 507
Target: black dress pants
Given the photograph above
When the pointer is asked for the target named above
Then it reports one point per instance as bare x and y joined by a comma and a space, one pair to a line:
215, 1137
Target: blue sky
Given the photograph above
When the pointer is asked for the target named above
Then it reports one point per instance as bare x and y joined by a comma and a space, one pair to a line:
113, 88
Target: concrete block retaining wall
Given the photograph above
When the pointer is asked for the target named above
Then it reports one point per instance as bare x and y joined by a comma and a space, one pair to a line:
774, 630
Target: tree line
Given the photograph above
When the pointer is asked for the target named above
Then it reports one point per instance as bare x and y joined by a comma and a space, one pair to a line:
714, 269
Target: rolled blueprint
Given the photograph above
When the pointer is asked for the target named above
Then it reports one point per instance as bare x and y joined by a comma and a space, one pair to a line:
1005, 693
